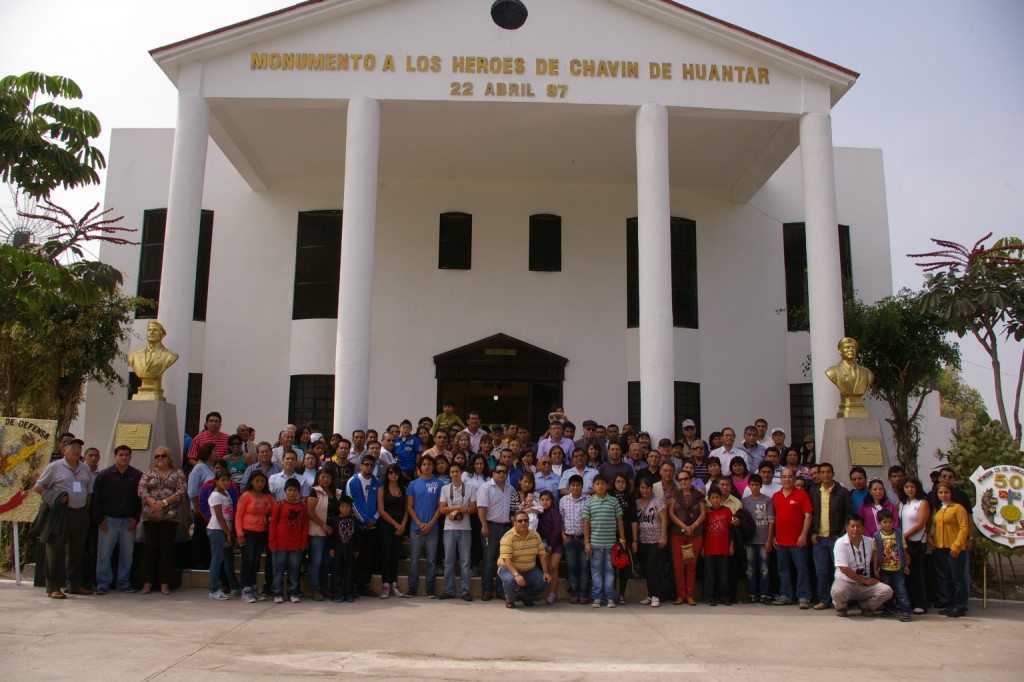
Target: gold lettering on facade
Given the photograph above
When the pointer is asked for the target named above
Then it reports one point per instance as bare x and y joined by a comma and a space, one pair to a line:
600, 68
389, 63
547, 67
502, 89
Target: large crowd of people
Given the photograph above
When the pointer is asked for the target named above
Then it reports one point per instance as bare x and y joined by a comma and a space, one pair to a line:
489, 501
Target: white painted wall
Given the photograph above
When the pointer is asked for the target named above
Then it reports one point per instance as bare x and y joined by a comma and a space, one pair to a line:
742, 355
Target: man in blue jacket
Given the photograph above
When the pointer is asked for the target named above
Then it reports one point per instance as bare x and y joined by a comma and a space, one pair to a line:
362, 488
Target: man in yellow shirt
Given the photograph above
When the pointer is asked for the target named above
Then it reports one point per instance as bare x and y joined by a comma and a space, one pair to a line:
517, 563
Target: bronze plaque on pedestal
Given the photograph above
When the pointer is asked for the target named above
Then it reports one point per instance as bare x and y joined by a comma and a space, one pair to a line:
135, 436
866, 453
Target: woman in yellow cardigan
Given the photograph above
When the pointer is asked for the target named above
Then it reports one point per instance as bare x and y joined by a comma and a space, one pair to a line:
948, 539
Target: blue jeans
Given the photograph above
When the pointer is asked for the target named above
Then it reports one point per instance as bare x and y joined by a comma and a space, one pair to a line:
492, 546
417, 541
823, 553
117, 533
220, 556
255, 545
787, 556
461, 539
286, 560
317, 565
951, 585
602, 573
898, 582
531, 591
757, 571
576, 565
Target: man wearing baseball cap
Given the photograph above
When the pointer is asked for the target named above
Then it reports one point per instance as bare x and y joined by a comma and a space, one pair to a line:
66, 486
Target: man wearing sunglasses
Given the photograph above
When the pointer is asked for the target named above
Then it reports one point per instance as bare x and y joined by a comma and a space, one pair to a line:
520, 576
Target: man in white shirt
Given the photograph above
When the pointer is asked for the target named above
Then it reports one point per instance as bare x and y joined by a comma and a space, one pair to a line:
458, 502
474, 431
728, 450
854, 578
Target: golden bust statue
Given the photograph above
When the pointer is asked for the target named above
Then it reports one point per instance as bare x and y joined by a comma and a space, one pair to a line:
851, 379
150, 363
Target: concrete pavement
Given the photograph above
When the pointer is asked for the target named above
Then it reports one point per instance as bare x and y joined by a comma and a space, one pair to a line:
185, 636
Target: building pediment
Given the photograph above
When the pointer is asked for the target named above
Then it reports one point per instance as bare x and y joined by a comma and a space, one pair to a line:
553, 100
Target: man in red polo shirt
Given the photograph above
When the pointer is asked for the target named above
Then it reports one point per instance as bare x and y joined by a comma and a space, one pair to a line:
793, 511
211, 433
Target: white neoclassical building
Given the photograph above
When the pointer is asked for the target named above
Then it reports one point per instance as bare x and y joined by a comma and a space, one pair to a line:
367, 206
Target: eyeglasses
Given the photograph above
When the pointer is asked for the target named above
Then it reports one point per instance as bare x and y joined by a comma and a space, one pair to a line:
392, 473
500, 471
161, 457
522, 520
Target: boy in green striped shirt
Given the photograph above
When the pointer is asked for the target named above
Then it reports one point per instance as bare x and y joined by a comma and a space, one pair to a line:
602, 516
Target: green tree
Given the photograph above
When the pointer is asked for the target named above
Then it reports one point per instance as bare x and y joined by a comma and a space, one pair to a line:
35, 280
960, 401
980, 291
43, 370
46, 144
62, 318
987, 444
907, 350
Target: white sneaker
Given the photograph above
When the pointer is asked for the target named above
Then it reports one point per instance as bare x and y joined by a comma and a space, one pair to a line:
259, 596
645, 601
655, 602
386, 592
395, 591
249, 597
219, 596
278, 600
294, 599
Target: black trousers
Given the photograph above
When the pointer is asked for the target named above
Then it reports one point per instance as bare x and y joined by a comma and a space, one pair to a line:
65, 553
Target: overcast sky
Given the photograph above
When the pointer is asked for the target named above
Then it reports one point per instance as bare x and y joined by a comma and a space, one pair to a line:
940, 92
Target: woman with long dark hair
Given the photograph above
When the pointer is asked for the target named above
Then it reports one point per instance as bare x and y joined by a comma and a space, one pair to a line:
627, 502
914, 514
251, 528
394, 520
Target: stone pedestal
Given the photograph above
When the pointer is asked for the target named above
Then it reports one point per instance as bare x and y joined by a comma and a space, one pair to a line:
855, 442
134, 419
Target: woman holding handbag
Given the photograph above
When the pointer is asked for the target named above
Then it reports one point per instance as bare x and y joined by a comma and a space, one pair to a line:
162, 490
686, 511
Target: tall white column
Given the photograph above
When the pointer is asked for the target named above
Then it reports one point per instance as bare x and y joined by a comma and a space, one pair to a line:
657, 363
181, 239
824, 275
352, 355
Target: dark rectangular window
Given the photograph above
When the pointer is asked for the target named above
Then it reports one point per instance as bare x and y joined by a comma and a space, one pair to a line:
193, 403
455, 246
683, 247
686, 405
684, 273
311, 399
794, 244
203, 266
317, 265
545, 243
801, 411
151, 258
633, 404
